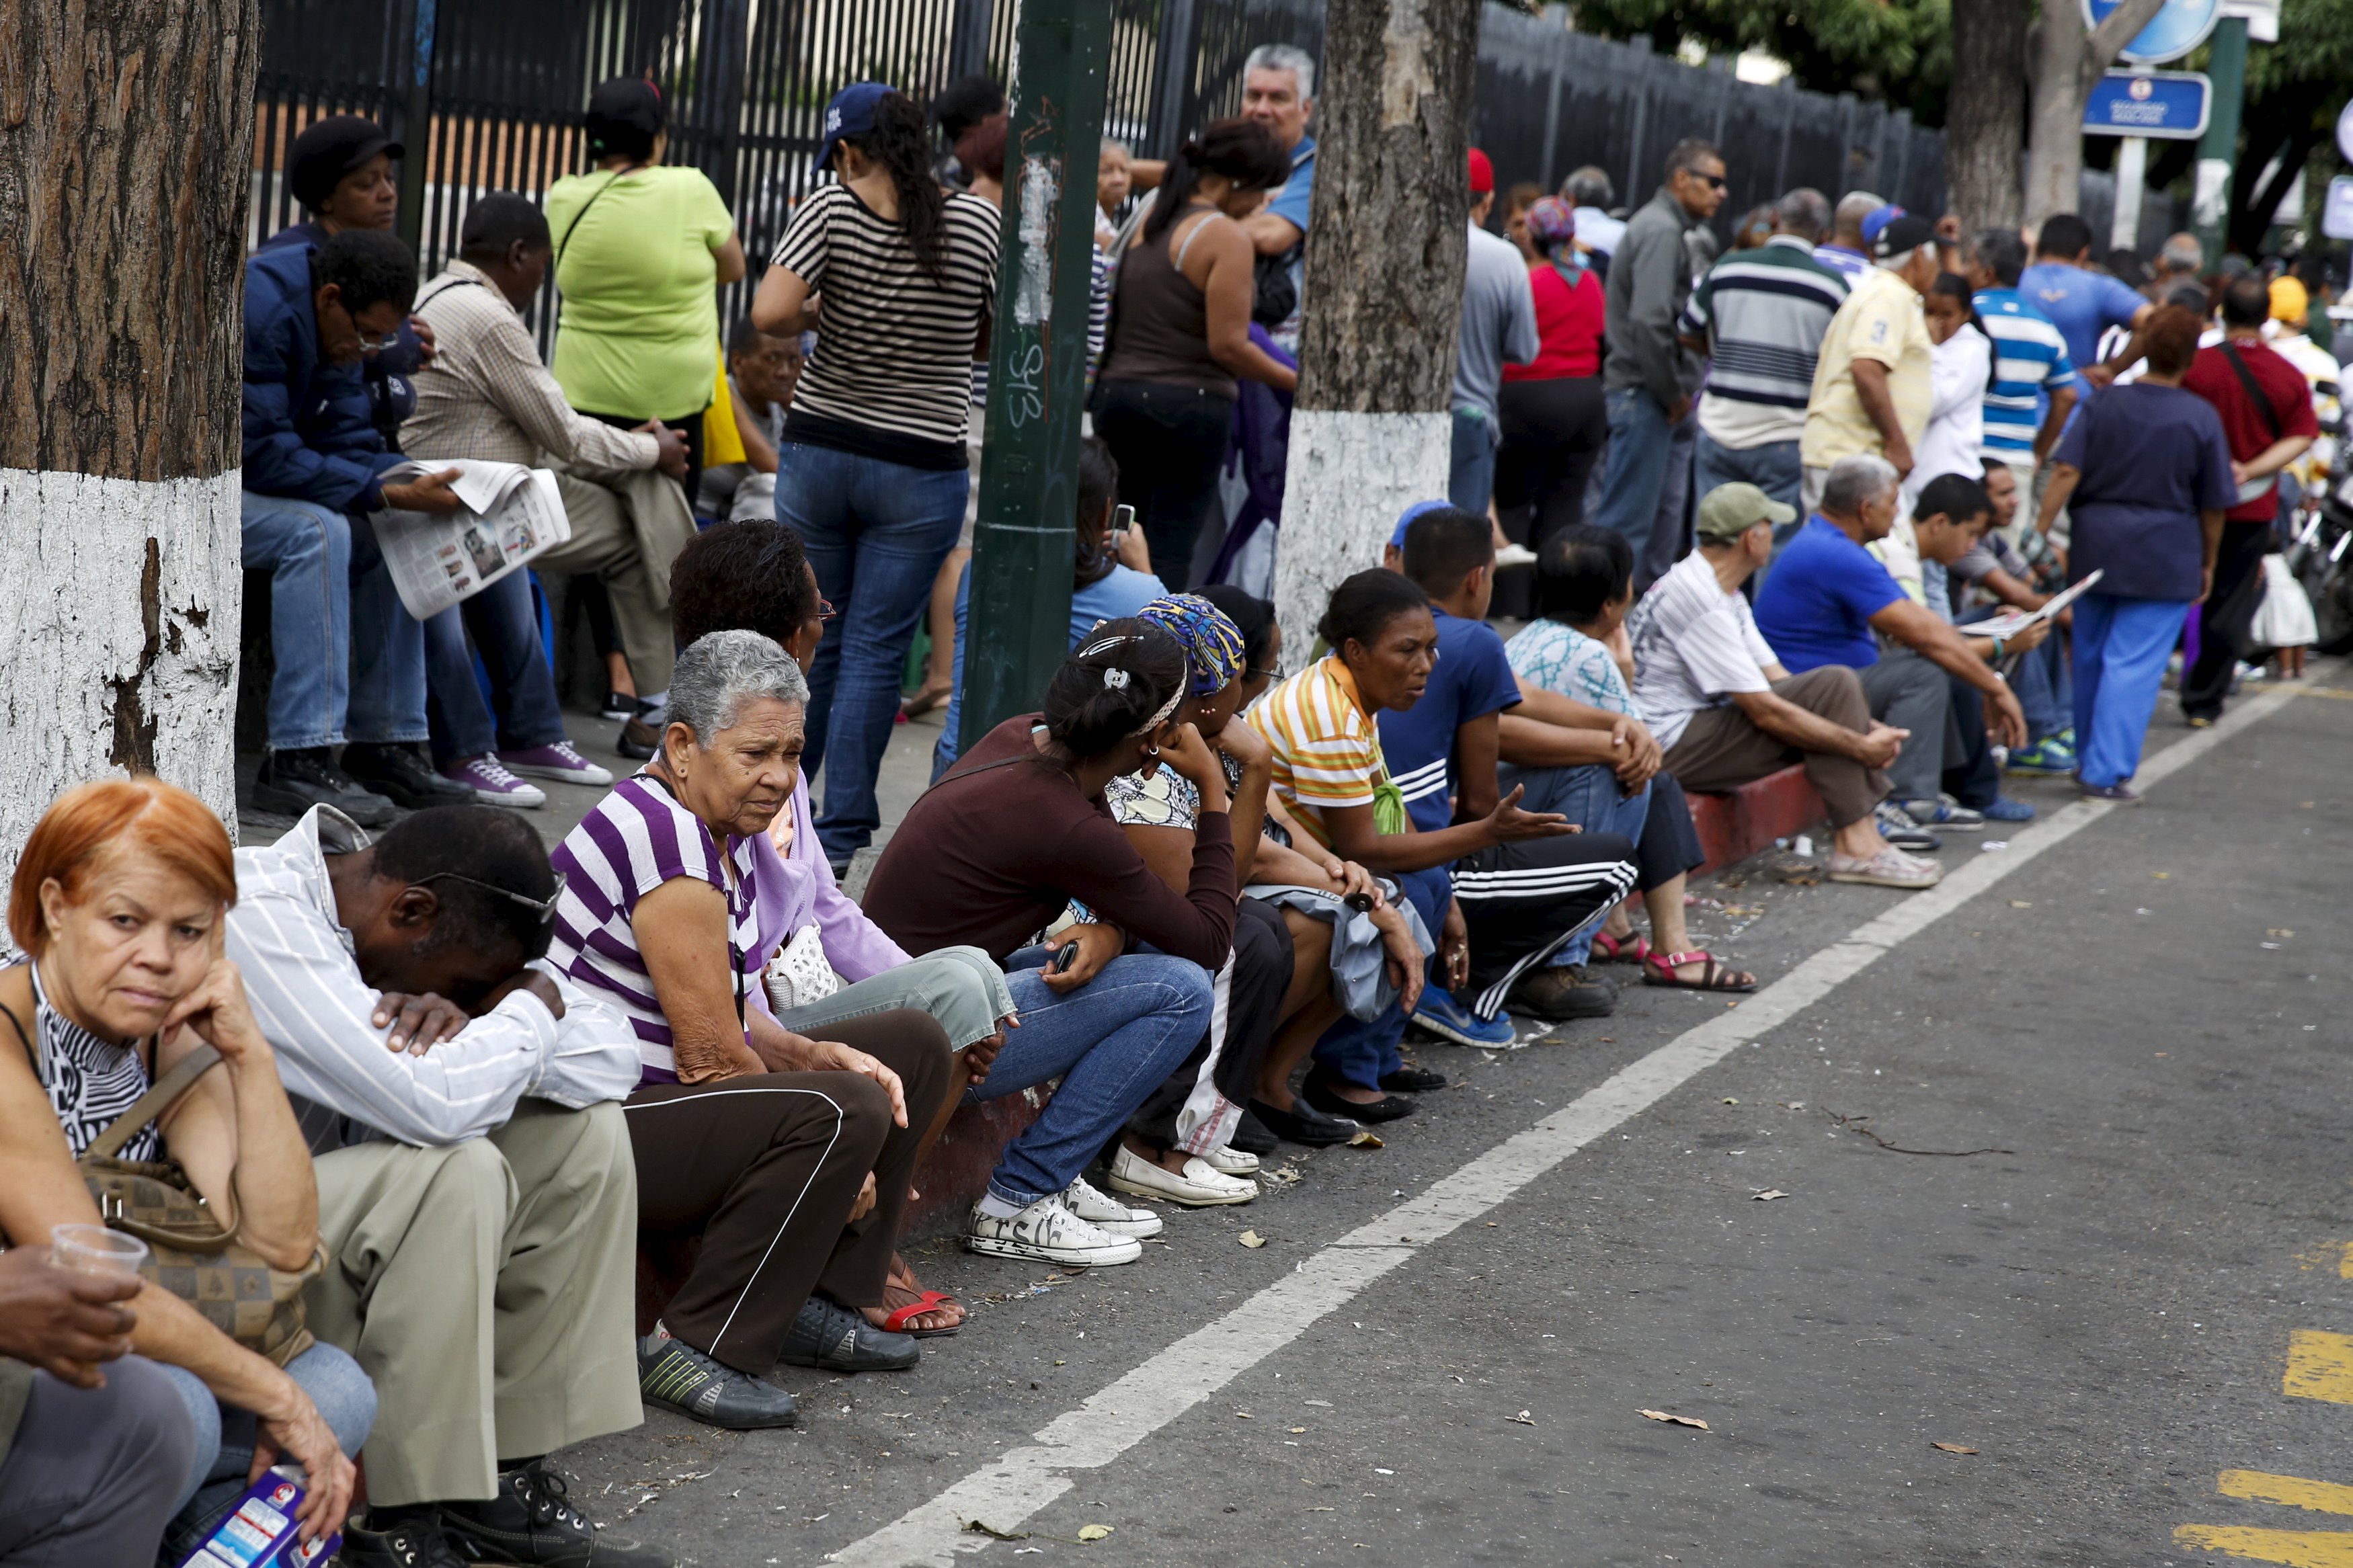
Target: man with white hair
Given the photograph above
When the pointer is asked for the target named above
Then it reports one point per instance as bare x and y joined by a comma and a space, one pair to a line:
1846, 252
1873, 389
1829, 600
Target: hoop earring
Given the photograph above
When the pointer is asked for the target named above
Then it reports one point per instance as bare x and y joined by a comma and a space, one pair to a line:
1151, 754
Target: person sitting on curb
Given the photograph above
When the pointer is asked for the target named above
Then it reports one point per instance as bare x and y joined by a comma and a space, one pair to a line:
476, 1192
1714, 694
1827, 601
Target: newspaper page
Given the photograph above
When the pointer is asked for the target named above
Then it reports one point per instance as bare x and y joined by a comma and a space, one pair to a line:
2009, 622
511, 514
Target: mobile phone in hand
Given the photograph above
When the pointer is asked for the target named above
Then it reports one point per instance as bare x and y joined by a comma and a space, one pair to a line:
1065, 956
1122, 518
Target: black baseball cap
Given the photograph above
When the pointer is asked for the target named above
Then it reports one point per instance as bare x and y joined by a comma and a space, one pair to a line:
328, 149
1903, 235
625, 115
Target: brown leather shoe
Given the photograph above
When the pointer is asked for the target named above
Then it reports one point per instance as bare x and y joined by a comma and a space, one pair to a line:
638, 741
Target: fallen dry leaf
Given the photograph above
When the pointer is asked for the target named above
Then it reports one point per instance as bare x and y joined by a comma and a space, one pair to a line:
2021, 903
1729, 1100
1768, 1194
1525, 1419
1953, 1448
1250, 1238
1679, 1420
1094, 1531
980, 1528
1365, 1140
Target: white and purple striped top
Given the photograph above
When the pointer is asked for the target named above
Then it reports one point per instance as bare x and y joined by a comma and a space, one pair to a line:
636, 840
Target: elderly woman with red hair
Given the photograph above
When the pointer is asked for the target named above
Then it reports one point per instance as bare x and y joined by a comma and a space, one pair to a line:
120, 899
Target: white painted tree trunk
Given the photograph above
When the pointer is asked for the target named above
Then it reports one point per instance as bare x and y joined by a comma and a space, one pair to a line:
1348, 479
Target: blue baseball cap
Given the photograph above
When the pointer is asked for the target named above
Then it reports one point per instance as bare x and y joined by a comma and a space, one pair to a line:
1878, 218
1415, 510
850, 112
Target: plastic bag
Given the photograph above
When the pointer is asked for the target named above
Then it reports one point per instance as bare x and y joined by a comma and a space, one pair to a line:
2284, 618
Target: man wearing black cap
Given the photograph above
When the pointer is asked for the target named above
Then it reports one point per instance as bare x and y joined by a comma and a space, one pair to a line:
1872, 391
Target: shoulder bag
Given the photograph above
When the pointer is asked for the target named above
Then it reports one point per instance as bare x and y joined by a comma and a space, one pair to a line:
192, 1253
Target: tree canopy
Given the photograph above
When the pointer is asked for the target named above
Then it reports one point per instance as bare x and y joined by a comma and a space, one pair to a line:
1897, 50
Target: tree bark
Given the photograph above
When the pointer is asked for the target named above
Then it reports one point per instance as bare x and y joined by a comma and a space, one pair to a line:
1985, 126
1383, 297
126, 132
2066, 61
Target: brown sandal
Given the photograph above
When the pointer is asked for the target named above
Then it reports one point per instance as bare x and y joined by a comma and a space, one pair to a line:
1659, 969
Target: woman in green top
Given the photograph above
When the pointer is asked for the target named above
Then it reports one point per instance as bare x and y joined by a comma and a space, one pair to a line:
640, 251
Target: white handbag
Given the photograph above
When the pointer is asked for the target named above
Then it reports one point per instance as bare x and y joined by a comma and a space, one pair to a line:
800, 973
2284, 619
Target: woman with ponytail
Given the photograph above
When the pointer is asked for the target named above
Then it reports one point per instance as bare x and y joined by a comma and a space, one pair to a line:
1180, 334
871, 469
996, 850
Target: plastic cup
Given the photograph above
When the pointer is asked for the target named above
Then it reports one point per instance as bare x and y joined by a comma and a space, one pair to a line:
94, 1250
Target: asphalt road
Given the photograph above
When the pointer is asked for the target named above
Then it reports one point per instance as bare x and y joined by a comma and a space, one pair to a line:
2124, 1307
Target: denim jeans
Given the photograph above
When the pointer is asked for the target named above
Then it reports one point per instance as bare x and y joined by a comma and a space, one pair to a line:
1361, 1051
1635, 475
505, 625
1772, 467
1590, 797
307, 549
1471, 474
224, 1435
2121, 647
1113, 1041
876, 532
387, 652
2040, 680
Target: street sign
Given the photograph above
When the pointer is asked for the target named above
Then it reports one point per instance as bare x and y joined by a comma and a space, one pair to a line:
2336, 213
2172, 33
2169, 106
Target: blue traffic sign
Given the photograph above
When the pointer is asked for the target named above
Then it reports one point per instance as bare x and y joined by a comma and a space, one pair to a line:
2178, 28
2168, 106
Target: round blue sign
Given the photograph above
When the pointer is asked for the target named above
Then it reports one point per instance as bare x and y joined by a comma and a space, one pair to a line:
2179, 27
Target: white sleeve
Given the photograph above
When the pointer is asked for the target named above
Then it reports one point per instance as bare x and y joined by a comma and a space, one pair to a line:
1753, 640
594, 1057
1718, 657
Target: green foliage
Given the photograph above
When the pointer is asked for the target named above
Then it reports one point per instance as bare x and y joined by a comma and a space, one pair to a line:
1897, 50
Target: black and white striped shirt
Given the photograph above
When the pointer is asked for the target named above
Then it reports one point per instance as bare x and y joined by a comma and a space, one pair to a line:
891, 377
91, 1082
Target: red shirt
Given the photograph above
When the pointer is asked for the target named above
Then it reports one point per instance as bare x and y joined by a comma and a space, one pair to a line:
2247, 427
1569, 324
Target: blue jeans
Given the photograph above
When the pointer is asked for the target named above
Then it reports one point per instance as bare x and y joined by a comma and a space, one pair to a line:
505, 625
224, 1435
2121, 647
876, 532
1360, 1051
1113, 1041
1641, 450
1590, 797
2039, 680
1471, 477
350, 660
1772, 467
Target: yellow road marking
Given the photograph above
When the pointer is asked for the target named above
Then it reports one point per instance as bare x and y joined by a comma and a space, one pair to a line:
2294, 1548
2259, 1486
2319, 1366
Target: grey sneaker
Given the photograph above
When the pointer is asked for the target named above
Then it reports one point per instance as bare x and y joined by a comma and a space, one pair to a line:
1896, 825
1891, 868
1946, 813
834, 1338
676, 1376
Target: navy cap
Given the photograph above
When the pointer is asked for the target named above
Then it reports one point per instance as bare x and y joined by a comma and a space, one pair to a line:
850, 113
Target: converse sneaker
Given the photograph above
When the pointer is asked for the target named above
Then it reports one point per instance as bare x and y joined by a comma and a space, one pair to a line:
676, 1376
1200, 1185
531, 1523
491, 784
1108, 1214
559, 762
1047, 1232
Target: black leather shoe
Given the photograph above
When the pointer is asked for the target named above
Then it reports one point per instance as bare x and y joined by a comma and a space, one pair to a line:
399, 772
529, 1522
1410, 1080
836, 1338
1302, 1124
677, 1376
291, 783
411, 1543
1251, 1137
1388, 1107
638, 741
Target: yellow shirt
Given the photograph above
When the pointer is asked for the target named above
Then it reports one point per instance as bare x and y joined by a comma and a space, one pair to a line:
1327, 752
1881, 321
638, 330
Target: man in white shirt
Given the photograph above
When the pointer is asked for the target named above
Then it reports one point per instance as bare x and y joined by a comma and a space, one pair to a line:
1718, 700
477, 1191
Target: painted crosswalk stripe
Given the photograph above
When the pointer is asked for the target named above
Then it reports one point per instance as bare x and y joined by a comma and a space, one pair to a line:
2319, 1366
2262, 1486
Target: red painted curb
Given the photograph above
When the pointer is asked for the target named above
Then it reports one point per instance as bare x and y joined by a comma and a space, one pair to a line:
1737, 824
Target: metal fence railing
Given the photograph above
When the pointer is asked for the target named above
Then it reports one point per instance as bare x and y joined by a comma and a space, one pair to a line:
487, 95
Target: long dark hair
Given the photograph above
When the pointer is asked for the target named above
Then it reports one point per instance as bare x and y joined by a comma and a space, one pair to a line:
1953, 286
1089, 710
1098, 487
901, 143
1242, 150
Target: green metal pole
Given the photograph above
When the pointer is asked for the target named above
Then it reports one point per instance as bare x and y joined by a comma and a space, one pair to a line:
1018, 628
2218, 150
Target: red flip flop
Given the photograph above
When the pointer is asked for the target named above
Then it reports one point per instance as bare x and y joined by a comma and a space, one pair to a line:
925, 1301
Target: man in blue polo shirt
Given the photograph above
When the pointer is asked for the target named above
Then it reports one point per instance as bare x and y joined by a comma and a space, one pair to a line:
2034, 381
2080, 302
1829, 600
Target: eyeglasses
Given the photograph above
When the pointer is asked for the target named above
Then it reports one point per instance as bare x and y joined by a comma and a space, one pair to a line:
1273, 674
544, 909
1712, 182
825, 610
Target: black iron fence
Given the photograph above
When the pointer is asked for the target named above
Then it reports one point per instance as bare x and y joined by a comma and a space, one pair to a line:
487, 95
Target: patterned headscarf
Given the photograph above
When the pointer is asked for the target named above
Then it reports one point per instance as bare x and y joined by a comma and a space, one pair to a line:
1212, 642
1552, 223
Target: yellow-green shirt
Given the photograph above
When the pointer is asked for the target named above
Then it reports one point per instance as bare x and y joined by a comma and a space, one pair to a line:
1881, 319
638, 330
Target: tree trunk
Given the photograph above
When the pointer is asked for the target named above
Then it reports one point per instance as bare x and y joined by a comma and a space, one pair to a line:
1985, 125
1383, 297
126, 136
2066, 62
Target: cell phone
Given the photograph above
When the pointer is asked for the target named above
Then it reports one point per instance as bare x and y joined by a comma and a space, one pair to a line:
1360, 902
1122, 518
1065, 956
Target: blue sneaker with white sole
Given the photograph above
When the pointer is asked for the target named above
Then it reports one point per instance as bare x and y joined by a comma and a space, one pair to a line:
2049, 757
2005, 809
1442, 1016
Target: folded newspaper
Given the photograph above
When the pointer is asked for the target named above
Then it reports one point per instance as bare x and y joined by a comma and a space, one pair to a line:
509, 515
2009, 622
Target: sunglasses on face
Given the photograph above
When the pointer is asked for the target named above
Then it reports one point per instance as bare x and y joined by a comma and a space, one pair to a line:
1712, 182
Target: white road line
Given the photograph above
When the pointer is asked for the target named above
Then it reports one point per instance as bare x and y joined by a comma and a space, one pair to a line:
1024, 1479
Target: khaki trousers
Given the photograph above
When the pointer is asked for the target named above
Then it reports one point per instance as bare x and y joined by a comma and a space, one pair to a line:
488, 1288
626, 532
1721, 748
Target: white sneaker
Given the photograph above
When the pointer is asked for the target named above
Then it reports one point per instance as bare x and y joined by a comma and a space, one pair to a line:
1891, 868
1202, 1186
1108, 1213
1230, 1161
1047, 1232
1509, 554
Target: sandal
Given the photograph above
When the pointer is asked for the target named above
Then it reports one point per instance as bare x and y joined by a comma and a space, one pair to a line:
907, 1299
1659, 969
1631, 948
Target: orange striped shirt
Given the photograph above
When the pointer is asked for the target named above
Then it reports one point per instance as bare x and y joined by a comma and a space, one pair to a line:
1327, 752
